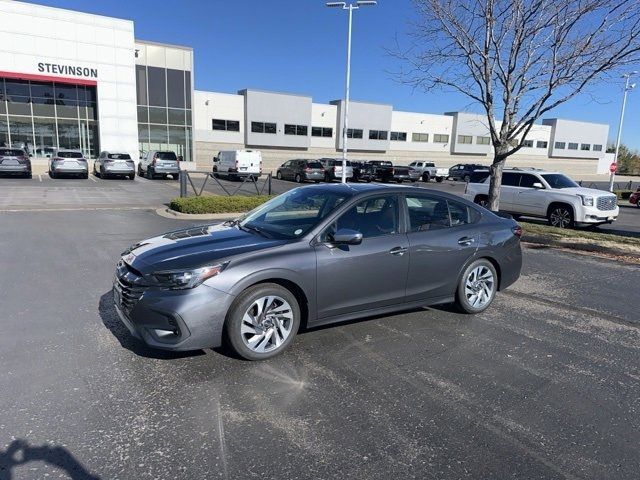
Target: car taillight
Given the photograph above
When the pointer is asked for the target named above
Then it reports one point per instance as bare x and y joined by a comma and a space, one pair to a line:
153, 161
23, 158
517, 231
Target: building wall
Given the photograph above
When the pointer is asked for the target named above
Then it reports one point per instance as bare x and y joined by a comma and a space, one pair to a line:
221, 106
577, 132
34, 34
324, 115
420, 123
281, 109
366, 117
469, 125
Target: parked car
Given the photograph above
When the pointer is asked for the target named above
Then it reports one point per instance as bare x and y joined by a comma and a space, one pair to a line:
333, 169
314, 255
362, 171
114, 164
547, 194
463, 171
382, 170
301, 171
428, 170
405, 174
68, 162
14, 161
634, 199
238, 163
156, 163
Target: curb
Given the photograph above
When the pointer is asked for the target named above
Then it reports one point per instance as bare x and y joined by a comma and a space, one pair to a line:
168, 213
568, 244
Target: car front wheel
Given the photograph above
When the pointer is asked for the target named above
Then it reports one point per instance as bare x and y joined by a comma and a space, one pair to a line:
262, 321
560, 216
638, 203
477, 287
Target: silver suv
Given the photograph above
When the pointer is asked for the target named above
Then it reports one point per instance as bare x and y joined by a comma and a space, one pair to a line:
157, 163
114, 164
546, 194
68, 162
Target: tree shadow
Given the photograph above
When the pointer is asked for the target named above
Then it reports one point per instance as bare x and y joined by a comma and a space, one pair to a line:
111, 320
19, 452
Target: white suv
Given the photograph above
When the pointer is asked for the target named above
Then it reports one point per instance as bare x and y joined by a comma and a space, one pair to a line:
550, 195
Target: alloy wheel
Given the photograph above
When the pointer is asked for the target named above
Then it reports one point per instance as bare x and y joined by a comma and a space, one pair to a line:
266, 324
479, 286
560, 217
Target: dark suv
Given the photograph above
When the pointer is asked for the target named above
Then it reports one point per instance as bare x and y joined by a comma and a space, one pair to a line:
463, 171
300, 171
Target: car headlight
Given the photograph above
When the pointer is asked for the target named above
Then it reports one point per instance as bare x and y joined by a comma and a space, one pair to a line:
184, 279
586, 201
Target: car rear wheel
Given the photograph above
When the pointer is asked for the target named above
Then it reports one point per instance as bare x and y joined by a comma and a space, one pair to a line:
426, 177
477, 287
132, 176
298, 178
175, 176
279, 175
262, 321
560, 216
439, 179
102, 174
638, 203
150, 173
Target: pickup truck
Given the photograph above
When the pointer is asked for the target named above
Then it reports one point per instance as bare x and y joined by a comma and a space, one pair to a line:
382, 170
405, 174
428, 170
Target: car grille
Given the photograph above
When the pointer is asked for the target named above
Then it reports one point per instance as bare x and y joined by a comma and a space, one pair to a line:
607, 203
128, 284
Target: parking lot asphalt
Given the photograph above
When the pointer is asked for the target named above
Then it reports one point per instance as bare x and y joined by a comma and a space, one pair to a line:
544, 385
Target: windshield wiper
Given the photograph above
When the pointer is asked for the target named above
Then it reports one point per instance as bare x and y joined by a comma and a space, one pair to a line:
231, 223
253, 228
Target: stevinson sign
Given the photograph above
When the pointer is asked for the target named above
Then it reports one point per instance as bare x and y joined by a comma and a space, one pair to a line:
61, 69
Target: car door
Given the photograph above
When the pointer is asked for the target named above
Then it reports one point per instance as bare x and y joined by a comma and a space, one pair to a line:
508, 190
442, 238
373, 274
528, 199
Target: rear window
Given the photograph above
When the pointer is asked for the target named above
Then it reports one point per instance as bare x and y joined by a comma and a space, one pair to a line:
166, 156
69, 155
11, 152
338, 163
314, 165
119, 156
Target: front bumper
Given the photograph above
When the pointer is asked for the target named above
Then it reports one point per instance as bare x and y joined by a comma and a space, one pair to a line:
176, 319
593, 216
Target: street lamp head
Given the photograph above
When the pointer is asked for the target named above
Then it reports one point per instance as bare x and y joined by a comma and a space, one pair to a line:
336, 4
364, 3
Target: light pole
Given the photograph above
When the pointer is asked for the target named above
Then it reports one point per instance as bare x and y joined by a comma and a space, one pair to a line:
351, 7
627, 89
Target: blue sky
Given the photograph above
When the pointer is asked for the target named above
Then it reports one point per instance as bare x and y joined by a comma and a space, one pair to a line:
299, 46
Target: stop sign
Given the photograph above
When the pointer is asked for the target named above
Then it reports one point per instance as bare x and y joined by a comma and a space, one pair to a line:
613, 167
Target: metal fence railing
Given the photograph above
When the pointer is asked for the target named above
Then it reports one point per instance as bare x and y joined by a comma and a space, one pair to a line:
605, 185
262, 186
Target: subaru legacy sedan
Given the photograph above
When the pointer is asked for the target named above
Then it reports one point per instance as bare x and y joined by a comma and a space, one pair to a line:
312, 256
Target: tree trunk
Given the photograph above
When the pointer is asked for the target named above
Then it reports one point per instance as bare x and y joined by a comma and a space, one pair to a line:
495, 182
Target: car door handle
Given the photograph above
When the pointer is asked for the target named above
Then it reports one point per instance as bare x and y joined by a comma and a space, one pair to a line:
398, 251
466, 241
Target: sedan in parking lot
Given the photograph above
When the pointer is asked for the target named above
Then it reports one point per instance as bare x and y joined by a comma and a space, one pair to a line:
14, 161
68, 162
312, 256
114, 164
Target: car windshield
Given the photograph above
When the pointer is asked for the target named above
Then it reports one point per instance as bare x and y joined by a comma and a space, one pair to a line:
558, 180
293, 214
479, 177
119, 156
166, 156
69, 155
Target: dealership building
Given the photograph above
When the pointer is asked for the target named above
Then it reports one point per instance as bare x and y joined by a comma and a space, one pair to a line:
76, 80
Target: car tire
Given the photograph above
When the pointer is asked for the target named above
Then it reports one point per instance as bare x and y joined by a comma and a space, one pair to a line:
175, 176
439, 179
240, 334
52, 174
279, 175
85, 175
560, 216
638, 203
149, 173
102, 174
29, 175
426, 177
95, 173
477, 286
132, 176
298, 178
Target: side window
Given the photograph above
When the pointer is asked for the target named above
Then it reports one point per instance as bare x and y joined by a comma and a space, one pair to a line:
510, 179
461, 214
427, 212
527, 180
372, 217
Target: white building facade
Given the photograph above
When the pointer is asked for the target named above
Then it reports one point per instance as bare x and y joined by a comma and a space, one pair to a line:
75, 80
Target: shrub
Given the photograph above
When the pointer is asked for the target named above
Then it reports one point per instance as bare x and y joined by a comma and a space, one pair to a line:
217, 204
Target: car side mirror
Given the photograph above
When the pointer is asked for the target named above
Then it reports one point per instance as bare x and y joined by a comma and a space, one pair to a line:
538, 186
346, 236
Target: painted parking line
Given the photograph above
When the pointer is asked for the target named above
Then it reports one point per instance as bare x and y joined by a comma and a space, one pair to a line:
40, 178
91, 177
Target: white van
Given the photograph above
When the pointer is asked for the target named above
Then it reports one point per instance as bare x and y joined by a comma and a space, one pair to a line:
238, 163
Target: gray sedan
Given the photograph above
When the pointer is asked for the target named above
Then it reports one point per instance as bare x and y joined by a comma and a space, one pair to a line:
313, 256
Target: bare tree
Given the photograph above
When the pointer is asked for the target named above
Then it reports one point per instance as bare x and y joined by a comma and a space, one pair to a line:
519, 59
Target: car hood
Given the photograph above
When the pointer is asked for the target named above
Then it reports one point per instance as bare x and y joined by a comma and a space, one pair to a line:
194, 247
588, 192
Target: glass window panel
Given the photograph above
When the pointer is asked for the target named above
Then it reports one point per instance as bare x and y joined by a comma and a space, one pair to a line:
233, 125
427, 213
43, 107
188, 117
269, 128
157, 115
4, 132
157, 83
218, 124
257, 127
158, 136
44, 130
68, 134
2, 92
327, 132
3, 106
143, 114
19, 105
316, 131
372, 217
178, 141
66, 94
176, 116
289, 129
92, 111
42, 89
302, 130
141, 84
188, 157
187, 88
175, 88
68, 109
87, 93
21, 131
17, 87
143, 133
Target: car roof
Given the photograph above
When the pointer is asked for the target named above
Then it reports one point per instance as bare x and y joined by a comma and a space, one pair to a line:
355, 189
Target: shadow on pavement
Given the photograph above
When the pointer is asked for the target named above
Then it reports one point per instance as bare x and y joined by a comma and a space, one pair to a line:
111, 320
19, 452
